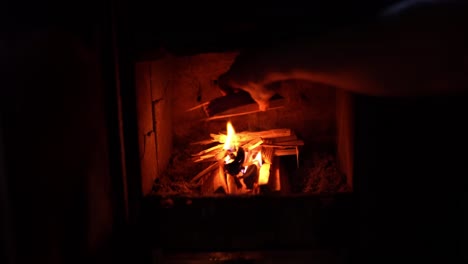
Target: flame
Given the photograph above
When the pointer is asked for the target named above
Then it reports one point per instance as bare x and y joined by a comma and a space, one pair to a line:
258, 159
232, 140
264, 174
264, 169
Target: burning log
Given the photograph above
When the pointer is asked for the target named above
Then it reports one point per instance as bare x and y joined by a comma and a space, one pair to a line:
245, 159
234, 165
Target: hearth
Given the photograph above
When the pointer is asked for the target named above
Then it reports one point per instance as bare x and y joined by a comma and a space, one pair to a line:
301, 144
219, 175
346, 189
117, 143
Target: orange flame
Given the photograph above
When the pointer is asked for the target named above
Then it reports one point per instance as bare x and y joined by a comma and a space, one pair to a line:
258, 159
231, 142
264, 169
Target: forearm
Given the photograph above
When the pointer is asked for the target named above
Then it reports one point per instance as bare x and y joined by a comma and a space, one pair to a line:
413, 55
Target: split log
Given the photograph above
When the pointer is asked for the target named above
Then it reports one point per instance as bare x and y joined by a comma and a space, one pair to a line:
253, 144
267, 155
207, 151
227, 102
247, 136
274, 181
285, 152
264, 174
283, 139
204, 172
272, 143
231, 101
240, 113
215, 182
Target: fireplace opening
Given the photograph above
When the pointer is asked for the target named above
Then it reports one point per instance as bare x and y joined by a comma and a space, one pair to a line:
195, 140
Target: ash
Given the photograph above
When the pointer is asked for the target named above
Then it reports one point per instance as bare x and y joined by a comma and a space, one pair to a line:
176, 179
321, 175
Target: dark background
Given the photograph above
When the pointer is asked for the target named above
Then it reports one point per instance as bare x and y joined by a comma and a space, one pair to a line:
63, 183
193, 26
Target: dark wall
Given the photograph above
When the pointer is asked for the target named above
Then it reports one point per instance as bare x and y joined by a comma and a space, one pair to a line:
199, 26
410, 176
57, 100
56, 148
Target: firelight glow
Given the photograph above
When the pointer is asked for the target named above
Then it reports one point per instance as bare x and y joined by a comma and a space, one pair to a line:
258, 158
231, 142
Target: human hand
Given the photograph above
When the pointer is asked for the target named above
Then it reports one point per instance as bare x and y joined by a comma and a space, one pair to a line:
416, 53
251, 72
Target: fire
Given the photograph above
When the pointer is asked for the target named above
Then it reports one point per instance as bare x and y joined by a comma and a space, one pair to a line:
258, 159
232, 141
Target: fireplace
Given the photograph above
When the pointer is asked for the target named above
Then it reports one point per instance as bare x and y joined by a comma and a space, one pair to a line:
103, 169
182, 117
192, 201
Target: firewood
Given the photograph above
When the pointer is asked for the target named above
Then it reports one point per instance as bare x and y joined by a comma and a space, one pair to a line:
240, 113
285, 152
283, 139
227, 102
197, 106
206, 151
215, 182
285, 144
253, 144
212, 159
290, 143
204, 157
272, 143
264, 174
235, 102
203, 142
205, 171
247, 135
267, 154
274, 181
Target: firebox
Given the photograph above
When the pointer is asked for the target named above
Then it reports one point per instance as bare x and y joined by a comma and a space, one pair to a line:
196, 140
221, 177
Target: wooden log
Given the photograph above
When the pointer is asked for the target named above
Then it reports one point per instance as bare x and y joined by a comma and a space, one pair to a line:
215, 182
290, 143
255, 143
234, 102
241, 113
204, 172
285, 152
197, 107
284, 144
212, 149
213, 159
284, 139
264, 174
227, 102
247, 135
274, 181
267, 154
203, 142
